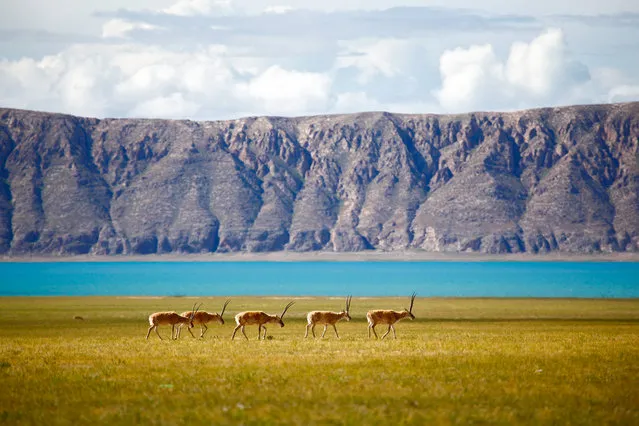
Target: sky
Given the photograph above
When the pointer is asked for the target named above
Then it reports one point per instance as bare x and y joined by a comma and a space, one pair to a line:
223, 59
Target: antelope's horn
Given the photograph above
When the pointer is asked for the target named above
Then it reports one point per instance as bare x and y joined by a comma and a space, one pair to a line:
194, 311
224, 307
286, 309
412, 301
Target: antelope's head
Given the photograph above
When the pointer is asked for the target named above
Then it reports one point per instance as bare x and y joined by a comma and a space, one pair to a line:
279, 319
410, 310
220, 316
347, 309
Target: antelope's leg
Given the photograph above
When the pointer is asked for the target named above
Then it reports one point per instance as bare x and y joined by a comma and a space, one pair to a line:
147, 334
324, 332
264, 327
259, 331
172, 331
203, 329
158, 333
372, 327
313, 330
387, 331
393, 328
189, 328
335, 328
307, 326
244, 333
234, 331
179, 330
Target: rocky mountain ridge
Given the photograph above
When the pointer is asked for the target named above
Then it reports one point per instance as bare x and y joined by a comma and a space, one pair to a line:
547, 180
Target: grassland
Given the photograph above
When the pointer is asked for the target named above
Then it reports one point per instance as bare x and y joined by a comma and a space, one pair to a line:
463, 361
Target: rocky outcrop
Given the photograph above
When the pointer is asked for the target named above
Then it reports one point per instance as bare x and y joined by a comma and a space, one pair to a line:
556, 179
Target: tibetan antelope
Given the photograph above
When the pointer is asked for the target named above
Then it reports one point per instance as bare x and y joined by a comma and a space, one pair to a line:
260, 318
169, 318
327, 318
388, 317
202, 318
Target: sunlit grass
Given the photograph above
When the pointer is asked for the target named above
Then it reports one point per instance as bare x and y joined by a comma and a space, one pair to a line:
539, 361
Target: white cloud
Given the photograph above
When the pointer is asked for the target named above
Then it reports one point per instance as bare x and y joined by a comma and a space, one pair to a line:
385, 57
278, 9
201, 7
468, 77
538, 73
132, 80
171, 106
74, 81
120, 28
61, 15
542, 65
82, 86
148, 80
353, 102
210, 82
222, 59
623, 93
281, 91
349, 102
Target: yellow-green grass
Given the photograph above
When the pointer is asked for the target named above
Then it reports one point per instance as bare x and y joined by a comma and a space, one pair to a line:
463, 361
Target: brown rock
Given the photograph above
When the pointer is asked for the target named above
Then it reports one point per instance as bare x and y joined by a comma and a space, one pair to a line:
555, 179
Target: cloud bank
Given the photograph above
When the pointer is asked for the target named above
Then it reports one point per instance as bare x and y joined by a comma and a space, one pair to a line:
541, 72
204, 59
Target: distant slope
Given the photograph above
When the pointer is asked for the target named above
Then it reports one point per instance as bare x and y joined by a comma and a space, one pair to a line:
556, 179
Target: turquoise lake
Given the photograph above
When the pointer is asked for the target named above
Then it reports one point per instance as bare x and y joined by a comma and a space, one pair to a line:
457, 279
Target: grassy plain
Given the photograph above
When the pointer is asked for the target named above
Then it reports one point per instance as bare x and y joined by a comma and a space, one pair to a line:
463, 361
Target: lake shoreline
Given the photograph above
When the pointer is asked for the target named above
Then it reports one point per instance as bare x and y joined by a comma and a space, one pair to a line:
365, 256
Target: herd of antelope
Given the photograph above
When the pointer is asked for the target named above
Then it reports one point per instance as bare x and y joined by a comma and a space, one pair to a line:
259, 318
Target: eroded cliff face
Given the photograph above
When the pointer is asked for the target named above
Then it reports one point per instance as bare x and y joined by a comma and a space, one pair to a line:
561, 179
